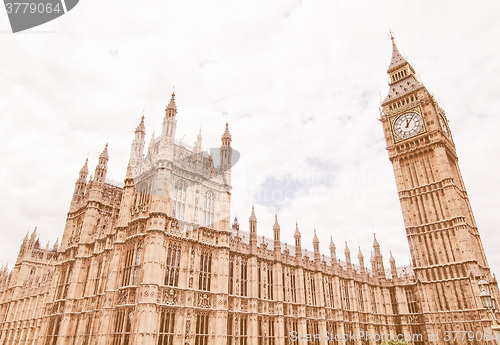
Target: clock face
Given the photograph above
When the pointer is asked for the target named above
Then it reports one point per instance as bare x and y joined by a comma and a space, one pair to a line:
408, 125
444, 127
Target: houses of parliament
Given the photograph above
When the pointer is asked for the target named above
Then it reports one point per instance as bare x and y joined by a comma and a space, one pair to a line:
158, 261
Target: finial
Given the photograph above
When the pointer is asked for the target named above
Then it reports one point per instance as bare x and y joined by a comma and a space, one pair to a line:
141, 127
297, 232
85, 168
252, 215
391, 35
104, 153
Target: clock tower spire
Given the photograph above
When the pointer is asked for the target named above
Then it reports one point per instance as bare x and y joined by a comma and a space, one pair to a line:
446, 250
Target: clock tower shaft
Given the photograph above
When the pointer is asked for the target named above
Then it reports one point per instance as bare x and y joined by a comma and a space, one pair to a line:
446, 249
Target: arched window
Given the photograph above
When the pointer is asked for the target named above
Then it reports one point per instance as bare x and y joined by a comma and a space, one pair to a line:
179, 200
208, 209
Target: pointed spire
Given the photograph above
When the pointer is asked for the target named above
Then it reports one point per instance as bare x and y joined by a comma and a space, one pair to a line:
315, 237
361, 259
172, 104
226, 137
316, 246
56, 245
104, 153
253, 229
347, 253
402, 78
100, 170
375, 242
276, 230
394, 271
333, 253
85, 168
360, 254
253, 218
141, 127
296, 235
33, 234
151, 143
197, 144
276, 225
397, 60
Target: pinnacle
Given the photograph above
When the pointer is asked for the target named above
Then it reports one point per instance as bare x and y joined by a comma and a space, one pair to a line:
141, 127
297, 232
172, 104
397, 60
315, 238
332, 245
252, 215
104, 153
85, 167
226, 136
276, 224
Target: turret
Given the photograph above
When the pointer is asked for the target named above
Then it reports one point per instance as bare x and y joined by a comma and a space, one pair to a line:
151, 146
333, 253
316, 247
138, 143
253, 229
197, 145
276, 231
298, 246
347, 253
167, 138
170, 121
361, 260
394, 271
102, 166
378, 261
226, 155
80, 185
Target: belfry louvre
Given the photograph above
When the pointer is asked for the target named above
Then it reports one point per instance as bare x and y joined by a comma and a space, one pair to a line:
157, 261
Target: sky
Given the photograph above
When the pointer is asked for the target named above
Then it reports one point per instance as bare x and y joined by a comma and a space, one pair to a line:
299, 81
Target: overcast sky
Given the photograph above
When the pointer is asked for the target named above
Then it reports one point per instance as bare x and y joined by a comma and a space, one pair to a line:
299, 82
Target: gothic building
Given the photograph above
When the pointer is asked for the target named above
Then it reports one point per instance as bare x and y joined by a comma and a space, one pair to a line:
155, 260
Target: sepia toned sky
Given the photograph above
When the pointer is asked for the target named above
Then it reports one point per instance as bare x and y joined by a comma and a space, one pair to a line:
299, 81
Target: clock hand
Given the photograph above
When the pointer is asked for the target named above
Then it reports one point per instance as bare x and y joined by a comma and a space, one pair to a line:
407, 123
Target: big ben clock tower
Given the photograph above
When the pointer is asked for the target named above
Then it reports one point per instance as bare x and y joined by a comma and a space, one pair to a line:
446, 250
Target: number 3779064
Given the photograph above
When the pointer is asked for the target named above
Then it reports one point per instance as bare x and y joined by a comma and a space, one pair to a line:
31, 7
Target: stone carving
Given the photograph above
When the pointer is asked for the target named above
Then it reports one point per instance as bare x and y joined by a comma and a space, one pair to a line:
204, 301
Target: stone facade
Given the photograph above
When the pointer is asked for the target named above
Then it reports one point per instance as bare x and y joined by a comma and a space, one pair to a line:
156, 260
